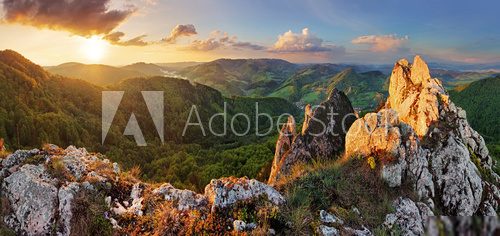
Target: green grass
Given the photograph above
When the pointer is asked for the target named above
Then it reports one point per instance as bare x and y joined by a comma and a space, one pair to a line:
338, 187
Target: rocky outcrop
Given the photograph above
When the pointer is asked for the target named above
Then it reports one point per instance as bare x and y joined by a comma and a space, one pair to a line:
32, 197
224, 192
39, 197
422, 138
322, 136
414, 95
283, 145
457, 178
183, 199
396, 145
411, 217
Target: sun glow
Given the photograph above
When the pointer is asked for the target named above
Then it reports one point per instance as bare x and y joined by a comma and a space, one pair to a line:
94, 48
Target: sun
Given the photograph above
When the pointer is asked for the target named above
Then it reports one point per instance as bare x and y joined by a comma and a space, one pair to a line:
94, 48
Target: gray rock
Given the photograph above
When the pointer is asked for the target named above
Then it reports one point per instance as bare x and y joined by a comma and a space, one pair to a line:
16, 158
32, 197
326, 217
116, 168
409, 217
66, 195
457, 178
358, 232
327, 231
183, 199
224, 192
239, 225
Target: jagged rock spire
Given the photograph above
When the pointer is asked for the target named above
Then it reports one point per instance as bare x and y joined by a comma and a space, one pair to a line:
432, 145
414, 95
322, 136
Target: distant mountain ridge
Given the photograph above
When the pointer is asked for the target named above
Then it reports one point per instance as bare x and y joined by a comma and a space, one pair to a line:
298, 83
241, 76
94, 73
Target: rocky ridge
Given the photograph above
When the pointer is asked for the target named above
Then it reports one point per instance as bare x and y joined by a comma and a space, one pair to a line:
322, 136
39, 189
423, 138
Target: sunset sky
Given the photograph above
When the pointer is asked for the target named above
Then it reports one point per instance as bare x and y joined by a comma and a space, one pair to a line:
119, 32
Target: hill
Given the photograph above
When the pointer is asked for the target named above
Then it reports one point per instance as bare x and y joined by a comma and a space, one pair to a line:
146, 68
300, 84
96, 74
480, 100
310, 85
38, 107
255, 77
451, 78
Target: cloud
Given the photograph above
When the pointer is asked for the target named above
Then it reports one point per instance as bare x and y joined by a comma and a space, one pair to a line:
290, 42
248, 45
115, 39
180, 31
219, 39
382, 43
81, 17
204, 45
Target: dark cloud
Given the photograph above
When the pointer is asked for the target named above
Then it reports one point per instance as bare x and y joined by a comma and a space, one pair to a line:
81, 17
247, 45
115, 38
180, 31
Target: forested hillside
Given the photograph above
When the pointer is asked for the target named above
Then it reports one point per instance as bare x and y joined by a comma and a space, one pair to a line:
96, 74
38, 107
481, 100
256, 77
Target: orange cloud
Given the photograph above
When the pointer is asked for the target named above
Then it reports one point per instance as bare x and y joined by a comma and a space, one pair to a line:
180, 31
115, 39
81, 17
219, 39
381, 43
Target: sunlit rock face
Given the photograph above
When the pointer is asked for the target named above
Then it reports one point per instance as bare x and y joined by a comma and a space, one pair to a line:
283, 145
428, 143
322, 136
414, 95
394, 143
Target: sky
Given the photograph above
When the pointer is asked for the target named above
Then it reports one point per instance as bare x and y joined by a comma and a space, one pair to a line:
120, 32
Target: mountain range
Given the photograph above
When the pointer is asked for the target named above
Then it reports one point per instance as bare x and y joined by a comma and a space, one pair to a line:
298, 83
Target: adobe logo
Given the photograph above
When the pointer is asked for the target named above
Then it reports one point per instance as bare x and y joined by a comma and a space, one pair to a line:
154, 102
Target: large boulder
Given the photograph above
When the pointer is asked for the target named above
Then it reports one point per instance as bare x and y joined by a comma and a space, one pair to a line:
457, 178
383, 136
225, 192
322, 136
183, 199
32, 198
410, 217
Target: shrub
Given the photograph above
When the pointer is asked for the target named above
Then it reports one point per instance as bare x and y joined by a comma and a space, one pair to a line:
88, 210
